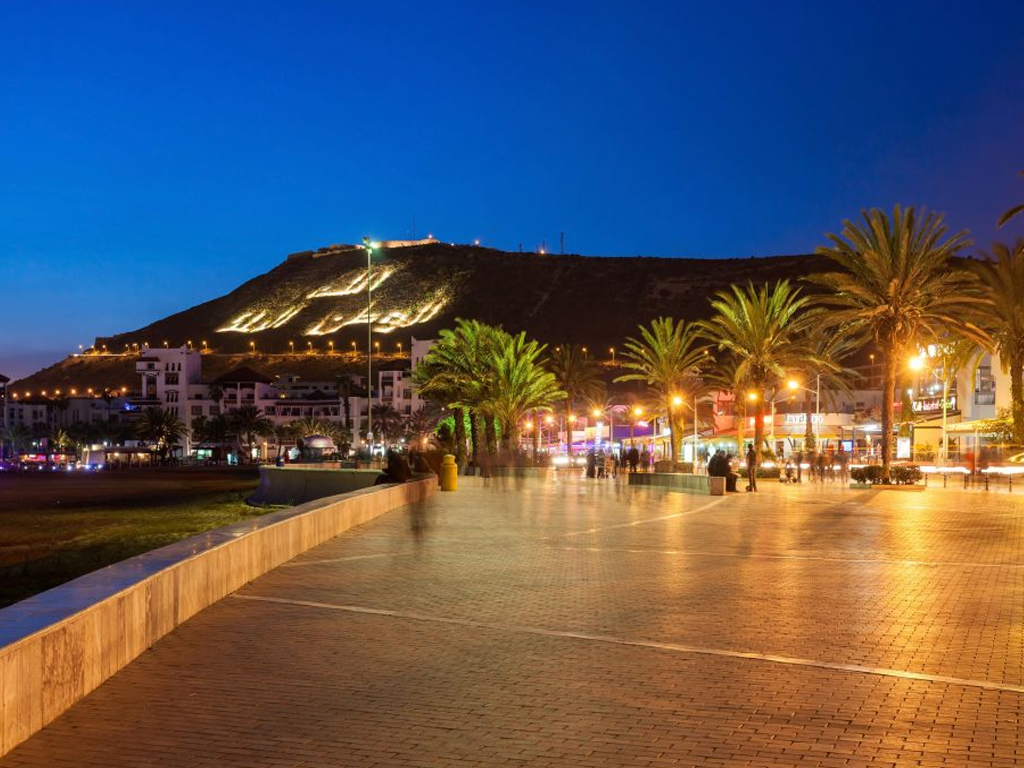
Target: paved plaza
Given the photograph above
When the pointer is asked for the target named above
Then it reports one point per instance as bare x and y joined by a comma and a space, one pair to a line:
585, 623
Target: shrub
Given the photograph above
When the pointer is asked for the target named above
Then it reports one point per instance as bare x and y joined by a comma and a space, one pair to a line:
905, 474
899, 474
868, 475
770, 473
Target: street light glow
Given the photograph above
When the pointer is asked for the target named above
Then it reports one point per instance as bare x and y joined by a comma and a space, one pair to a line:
916, 363
677, 401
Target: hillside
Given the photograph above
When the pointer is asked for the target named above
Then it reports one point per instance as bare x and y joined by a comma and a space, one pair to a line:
319, 297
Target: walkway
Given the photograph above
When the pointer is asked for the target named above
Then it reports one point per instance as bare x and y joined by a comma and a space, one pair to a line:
588, 624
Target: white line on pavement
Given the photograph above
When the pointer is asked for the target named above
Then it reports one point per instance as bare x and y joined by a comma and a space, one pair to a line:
902, 674
645, 521
884, 560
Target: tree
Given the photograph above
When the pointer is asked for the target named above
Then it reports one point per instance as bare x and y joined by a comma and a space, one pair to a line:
162, 427
454, 374
518, 384
824, 370
894, 281
1010, 214
17, 436
422, 423
576, 375
389, 422
60, 439
247, 423
1002, 280
765, 330
346, 387
668, 358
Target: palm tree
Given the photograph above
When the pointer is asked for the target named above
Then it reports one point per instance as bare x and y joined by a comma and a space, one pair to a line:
216, 393
667, 357
519, 384
578, 376
60, 439
765, 330
1002, 281
162, 427
18, 436
1010, 214
422, 423
346, 387
894, 281
455, 373
248, 423
388, 421
825, 371
723, 376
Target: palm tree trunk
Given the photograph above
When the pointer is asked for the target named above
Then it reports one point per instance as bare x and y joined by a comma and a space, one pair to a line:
1017, 398
536, 436
759, 425
740, 409
675, 432
808, 423
460, 436
474, 436
491, 435
888, 390
568, 426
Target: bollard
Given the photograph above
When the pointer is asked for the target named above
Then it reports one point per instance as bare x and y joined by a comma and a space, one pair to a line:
1009, 483
965, 480
986, 481
944, 480
449, 473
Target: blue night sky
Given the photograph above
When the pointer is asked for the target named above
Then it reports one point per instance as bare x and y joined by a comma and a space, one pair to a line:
155, 155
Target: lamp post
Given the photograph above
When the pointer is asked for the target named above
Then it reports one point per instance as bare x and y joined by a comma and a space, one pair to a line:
793, 385
369, 246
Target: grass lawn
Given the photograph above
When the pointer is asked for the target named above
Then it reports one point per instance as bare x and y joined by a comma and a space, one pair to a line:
54, 528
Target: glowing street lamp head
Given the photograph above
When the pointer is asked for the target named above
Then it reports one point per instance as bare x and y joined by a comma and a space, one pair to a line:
752, 397
677, 401
916, 363
637, 411
597, 412
792, 384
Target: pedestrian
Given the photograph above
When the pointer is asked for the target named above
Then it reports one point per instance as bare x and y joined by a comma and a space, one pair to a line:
844, 467
645, 460
751, 468
799, 459
820, 466
634, 459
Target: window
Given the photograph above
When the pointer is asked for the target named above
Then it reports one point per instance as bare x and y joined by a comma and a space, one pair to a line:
172, 379
172, 396
215, 410
197, 410
270, 410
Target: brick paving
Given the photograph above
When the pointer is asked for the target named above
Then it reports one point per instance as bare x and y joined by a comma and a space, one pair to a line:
589, 624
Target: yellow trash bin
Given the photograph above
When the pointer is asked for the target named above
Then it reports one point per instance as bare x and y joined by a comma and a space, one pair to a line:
449, 473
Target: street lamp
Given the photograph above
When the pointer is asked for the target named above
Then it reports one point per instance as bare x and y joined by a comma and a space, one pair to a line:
370, 246
794, 385
612, 350
291, 347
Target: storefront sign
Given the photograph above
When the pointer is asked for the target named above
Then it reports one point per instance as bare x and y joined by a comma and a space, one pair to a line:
930, 404
801, 418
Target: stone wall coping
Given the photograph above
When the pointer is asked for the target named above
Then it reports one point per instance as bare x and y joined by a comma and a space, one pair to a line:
35, 614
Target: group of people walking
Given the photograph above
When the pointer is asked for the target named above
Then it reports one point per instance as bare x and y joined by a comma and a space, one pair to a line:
632, 459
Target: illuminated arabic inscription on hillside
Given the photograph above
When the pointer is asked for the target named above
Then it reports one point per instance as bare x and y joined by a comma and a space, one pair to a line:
383, 322
255, 321
351, 284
